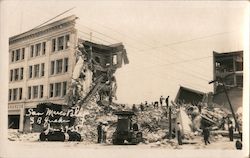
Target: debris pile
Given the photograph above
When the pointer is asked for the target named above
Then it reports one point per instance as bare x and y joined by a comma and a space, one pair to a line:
212, 116
14, 135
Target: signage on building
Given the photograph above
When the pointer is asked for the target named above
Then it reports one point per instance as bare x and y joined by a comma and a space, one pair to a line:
15, 106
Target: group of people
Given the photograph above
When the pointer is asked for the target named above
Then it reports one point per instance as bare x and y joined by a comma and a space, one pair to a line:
155, 104
102, 132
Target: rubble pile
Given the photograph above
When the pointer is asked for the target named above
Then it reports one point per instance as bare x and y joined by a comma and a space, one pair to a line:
149, 121
14, 135
90, 116
211, 115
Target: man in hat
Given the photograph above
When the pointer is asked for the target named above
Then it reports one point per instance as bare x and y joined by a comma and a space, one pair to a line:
231, 131
178, 131
99, 132
206, 134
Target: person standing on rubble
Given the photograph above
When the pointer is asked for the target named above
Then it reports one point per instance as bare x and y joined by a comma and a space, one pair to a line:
178, 131
167, 101
104, 132
161, 99
146, 104
134, 109
142, 107
206, 134
99, 132
231, 132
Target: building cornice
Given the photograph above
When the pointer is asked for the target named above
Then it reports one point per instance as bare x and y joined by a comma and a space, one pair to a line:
68, 21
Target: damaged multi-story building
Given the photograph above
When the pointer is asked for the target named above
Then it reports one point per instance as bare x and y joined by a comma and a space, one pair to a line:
47, 63
229, 67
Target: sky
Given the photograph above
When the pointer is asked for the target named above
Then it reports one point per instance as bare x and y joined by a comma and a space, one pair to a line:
169, 43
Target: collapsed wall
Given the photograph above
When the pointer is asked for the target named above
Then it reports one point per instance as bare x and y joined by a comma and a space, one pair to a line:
94, 86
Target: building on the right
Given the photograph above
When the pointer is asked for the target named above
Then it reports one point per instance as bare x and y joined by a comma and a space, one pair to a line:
229, 66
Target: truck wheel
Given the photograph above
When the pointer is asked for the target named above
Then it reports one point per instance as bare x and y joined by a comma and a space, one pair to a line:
118, 141
139, 137
42, 136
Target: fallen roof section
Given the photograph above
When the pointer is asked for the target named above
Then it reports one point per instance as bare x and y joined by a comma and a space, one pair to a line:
187, 95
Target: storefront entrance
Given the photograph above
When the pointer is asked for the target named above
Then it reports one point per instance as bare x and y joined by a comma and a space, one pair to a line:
13, 121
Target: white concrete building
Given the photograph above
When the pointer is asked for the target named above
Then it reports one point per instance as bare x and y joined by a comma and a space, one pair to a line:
41, 62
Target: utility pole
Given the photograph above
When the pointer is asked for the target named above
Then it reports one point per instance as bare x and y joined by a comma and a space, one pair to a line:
221, 80
170, 123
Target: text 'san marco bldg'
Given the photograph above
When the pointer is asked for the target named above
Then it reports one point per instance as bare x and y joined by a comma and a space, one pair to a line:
40, 67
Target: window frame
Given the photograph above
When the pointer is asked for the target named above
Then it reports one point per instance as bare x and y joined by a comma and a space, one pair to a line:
15, 91
10, 95
35, 92
32, 50
29, 92
16, 74
51, 90
43, 48
58, 89
59, 66
31, 71
60, 43
52, 67
20, 94
36, 70
41, 91
21, 73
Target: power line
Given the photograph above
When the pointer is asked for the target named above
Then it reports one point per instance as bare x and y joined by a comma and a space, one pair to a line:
178, 62
190, 40
165, 45
96, 37
116, 40
53, 18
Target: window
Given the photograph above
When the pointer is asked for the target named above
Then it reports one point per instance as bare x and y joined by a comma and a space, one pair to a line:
41, 91
20, 93
53, 45
44, 48
31, 51
67, 41
60, 44
64, 88
38, 49
52, 67
36, 69
23, 53
16, 73
21, 73
58, 89
17, 54
230, 81
10, 93
13, 56
35, 92
239, 66
239, 81
29, 92
66, 63
42, 69
59, 66
51, 90
11, 75
15, 94
30, 71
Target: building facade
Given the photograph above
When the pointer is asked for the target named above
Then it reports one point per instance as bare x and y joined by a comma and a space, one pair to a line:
41, 63
228, 66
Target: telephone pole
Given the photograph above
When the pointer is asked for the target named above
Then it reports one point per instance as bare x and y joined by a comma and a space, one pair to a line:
221, 80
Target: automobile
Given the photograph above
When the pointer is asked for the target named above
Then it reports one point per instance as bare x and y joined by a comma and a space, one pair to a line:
127, 130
